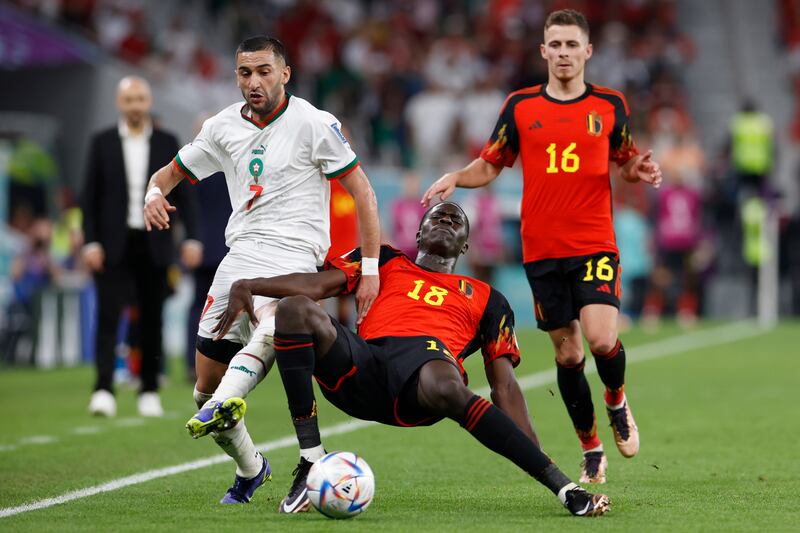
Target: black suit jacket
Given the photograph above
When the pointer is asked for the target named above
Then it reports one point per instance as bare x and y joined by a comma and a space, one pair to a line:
105, 197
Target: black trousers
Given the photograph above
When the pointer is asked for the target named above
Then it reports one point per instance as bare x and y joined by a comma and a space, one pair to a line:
203, 278
136, 280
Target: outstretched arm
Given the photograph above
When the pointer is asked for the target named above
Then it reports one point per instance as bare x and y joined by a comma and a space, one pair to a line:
507, 395
316, 285
156, 206
476, 174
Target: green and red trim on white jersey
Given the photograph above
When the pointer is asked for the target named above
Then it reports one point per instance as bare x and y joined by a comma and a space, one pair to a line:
183, 169
272, 116
344, 171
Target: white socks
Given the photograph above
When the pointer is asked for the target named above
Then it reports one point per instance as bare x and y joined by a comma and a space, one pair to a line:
236, 442
246, 369
312, 454
200, 398
245, 372
562, 494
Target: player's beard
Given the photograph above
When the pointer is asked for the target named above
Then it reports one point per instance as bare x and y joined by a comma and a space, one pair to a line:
271, 101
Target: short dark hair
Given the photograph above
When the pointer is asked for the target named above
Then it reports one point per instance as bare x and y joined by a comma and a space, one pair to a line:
567, 17
431, 208
262, 42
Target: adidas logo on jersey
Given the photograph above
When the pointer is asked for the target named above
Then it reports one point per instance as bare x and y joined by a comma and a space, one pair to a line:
536, 125
604, 288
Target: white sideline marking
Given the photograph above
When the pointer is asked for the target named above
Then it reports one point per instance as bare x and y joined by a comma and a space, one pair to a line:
7, 447
87, 430
135, 479
690, 341
129, 422
38, 439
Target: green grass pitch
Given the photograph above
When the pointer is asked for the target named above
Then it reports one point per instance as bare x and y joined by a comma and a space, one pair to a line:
718, 412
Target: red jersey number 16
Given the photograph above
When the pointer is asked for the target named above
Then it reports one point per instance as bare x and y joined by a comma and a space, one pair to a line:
569, 162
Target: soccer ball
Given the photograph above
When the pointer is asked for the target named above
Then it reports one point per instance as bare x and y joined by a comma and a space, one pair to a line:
340, 485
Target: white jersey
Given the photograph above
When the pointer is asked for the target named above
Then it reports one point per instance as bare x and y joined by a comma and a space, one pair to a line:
277, 172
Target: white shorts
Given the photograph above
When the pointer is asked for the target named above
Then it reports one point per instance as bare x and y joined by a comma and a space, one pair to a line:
247, 260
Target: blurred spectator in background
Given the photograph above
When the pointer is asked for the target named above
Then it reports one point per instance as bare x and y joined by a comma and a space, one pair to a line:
752, 155
128, 263
31, 272
478, 111
32, 171
678, 232
634, 240
487, 250
752, 149
432, 117
406, 214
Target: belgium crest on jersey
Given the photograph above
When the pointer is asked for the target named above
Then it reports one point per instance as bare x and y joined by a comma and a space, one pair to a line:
594, 124
465, 288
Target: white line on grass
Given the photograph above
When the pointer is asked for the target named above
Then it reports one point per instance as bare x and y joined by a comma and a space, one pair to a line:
37, 439
87, 430
673, 345
83, 430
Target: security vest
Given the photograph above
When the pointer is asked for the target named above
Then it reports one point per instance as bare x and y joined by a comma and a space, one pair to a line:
751, 134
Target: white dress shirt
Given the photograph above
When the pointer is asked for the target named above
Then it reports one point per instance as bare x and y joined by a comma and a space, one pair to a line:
136, 156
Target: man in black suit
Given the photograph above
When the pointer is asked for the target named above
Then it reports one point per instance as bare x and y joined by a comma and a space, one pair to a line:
129, 263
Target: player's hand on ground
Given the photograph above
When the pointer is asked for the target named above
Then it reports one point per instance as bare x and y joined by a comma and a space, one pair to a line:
366, 293
648, 170
94, 256
442, 187
240, 298
156, 212
191, 254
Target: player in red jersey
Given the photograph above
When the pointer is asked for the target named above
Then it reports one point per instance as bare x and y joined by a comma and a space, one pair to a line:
565, 133
344, 237
397, 373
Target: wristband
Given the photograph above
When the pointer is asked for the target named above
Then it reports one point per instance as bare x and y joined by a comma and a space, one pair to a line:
369, 266
152, 192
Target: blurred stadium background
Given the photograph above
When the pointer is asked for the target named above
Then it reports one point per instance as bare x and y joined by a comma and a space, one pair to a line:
418, 84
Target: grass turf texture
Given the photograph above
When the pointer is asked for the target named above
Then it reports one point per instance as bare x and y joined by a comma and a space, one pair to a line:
719, 430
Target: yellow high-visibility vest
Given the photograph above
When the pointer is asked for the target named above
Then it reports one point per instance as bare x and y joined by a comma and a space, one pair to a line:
752, 142
754, 245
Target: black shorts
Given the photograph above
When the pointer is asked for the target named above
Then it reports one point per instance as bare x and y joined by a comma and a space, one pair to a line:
377, 379
561, 287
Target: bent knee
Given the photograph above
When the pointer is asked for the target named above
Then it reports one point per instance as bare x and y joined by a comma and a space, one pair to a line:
569, 354
602, 344
444, 397
294, 311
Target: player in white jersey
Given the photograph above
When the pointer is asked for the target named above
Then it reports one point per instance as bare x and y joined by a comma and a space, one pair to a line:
277, 152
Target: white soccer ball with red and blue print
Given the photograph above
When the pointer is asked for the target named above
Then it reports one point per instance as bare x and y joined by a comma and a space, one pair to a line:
340, 485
